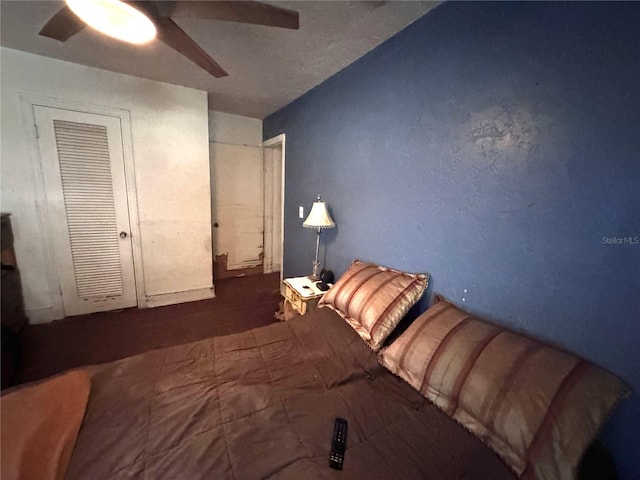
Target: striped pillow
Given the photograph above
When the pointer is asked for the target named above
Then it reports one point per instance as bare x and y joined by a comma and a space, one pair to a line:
373, 299
536, 406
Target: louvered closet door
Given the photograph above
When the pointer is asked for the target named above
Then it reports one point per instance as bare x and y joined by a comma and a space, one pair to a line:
83, 166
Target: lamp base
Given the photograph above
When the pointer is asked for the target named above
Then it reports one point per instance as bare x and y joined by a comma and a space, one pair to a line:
316, 271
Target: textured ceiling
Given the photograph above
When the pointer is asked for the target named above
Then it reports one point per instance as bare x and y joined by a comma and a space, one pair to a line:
268, 67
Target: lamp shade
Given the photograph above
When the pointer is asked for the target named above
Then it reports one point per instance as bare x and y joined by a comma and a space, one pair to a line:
319, 216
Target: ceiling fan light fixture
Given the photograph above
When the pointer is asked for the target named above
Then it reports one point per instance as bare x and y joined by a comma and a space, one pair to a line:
115, 19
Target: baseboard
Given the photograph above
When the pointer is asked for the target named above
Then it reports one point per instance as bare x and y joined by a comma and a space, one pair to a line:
40, 315
180, 297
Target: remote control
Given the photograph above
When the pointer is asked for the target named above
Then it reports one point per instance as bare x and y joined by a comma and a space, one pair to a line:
338, 444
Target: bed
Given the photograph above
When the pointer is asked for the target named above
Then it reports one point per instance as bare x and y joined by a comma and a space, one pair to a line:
262, 403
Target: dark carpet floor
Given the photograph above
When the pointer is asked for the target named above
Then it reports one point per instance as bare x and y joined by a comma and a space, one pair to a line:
240, 304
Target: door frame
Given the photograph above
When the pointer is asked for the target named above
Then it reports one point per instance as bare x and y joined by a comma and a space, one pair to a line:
272, 142
28, 102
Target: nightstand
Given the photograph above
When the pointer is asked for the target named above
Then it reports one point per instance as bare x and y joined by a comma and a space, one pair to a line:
302, 293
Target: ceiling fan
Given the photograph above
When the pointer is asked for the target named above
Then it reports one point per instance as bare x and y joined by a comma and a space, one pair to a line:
158, 17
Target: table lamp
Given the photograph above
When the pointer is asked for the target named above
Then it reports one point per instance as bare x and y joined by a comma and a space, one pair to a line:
318, 219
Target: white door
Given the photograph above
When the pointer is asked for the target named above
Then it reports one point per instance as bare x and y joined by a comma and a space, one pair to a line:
273, 208
237, 204
83, 168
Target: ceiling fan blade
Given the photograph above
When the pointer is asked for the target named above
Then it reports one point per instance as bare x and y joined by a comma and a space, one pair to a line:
231, 11
62, 25
172, 35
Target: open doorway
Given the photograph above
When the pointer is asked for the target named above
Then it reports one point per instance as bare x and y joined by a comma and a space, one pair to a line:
274, 178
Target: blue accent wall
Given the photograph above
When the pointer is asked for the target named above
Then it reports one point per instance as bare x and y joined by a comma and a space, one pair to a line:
492, 145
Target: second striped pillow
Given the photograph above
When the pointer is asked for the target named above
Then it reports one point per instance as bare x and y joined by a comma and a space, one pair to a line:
537, 407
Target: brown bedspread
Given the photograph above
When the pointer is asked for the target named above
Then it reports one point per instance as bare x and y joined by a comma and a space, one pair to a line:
261, 404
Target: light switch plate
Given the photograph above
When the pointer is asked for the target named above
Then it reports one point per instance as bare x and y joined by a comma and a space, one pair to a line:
300, 211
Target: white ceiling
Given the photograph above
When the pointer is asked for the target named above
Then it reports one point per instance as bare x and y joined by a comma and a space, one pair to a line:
268, 67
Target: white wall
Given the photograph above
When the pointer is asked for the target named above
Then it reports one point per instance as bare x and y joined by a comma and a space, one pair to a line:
234, 129
169, 129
